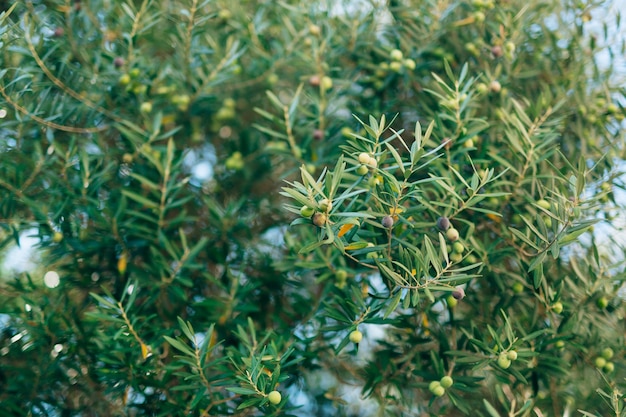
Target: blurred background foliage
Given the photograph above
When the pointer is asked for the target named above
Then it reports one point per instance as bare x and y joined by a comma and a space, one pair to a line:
451, 170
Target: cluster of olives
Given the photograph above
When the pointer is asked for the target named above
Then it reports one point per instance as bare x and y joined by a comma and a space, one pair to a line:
603, 360
438, 388
319, 214
506, 358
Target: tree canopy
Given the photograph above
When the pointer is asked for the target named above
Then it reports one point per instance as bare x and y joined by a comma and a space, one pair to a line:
296, 208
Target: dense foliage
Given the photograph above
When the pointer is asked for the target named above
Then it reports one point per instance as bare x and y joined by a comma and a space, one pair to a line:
311, 208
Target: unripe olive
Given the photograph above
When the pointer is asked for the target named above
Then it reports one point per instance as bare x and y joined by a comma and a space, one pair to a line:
439, 391
512, 355
127, 158
503, 361
609, 367
306, 211
479, 17
458, 293
452, 302
410, 64
146, 107
600, 362
364, 157
372, 162
274, 397
315, 30
124, 79
518, 288
325, 205
456, 257
559, 344
387, 222
355, 336
320, 219
434, 385
452, 234
458, 247
602, 302
341, 274
482, 88
509, 47
362, 170
443, 223
543, 204
446, 381
395, 66
326, 83
396, 55
607, 353
557, 307
57, 237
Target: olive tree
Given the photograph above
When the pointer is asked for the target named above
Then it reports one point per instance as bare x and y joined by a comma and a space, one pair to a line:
312, 208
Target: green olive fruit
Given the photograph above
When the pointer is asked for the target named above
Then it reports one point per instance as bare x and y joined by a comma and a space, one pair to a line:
452, 302
607, 353
543, 204
503, 361
372, 255
479, 17
372, 162
410, 65
446, 381
469, 143
314, 30
482, 88
557, 307
456, 257
274, 397
600, 362
135, 72
306, 211
362, 170
602, 302
347, 133
512, 355
396, 55
612, 108
452, 234
434, 385
443, 223
560, 344
319, 219
224, 14
439, 391
609, 367
458, 247
325, 205
310, 168
509, 47
57, 237
364, 157
229, 103
127, 158
387, 222
355, 336
146, 107
395, 66
341, 274
326, 83
124, 79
